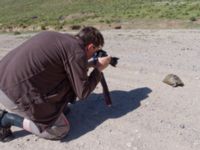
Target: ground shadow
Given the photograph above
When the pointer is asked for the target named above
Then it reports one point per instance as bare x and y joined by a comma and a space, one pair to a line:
87, 115
20, 133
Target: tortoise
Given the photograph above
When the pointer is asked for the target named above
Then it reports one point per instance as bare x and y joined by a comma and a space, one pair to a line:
173, 80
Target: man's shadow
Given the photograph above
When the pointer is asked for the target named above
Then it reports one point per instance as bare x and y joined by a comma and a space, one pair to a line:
87, 114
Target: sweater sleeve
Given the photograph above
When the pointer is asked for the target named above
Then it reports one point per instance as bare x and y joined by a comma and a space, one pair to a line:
82, 84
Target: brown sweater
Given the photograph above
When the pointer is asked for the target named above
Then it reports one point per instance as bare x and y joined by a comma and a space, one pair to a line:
44, 73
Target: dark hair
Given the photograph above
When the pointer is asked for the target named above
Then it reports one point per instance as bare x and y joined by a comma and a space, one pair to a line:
91, 35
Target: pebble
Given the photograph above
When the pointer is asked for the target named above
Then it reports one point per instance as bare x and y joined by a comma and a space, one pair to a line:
128, 144
135, 148
139, 136
118, 27
196, 143
182, 126
27, 139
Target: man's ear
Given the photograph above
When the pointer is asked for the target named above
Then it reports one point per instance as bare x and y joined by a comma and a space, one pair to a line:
90, 50
90, 46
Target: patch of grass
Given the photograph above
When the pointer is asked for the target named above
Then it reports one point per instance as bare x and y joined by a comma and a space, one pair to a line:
43, 13
17, 33
193, 19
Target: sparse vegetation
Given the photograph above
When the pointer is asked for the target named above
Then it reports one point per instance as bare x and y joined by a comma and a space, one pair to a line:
193, 19
17, 33
57, 13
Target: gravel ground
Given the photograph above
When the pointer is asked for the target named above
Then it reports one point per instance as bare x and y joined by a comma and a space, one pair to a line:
146, 113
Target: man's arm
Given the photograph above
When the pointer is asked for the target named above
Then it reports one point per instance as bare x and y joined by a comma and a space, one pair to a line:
101, 64
82, 84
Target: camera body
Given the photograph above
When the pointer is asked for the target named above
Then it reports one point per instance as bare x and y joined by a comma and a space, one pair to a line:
103, 53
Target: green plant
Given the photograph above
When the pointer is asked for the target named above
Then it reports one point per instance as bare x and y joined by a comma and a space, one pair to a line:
193, 19
17, 33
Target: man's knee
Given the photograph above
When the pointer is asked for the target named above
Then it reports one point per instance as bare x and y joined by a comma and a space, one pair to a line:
57, 133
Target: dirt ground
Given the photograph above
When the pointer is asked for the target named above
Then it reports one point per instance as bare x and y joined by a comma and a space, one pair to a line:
146, 113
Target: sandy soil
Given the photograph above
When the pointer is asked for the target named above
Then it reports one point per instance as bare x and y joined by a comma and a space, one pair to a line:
146, 113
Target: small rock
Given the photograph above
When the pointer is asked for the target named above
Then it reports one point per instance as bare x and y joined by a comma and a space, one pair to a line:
61, 17
118, 27
196, 143
182, 126
135, 148
75, 27
139, 136
27, 140
128, 144
17, 33
34, 17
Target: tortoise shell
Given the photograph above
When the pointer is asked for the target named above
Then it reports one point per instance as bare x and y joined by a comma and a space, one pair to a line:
173, 80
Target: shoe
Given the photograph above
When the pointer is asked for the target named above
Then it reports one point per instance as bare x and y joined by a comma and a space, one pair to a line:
5, 132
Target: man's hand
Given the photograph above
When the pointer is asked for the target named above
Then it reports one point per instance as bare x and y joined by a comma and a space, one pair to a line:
103, 62
91, 64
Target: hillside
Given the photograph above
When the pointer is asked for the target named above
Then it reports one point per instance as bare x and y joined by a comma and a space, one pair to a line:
59, 14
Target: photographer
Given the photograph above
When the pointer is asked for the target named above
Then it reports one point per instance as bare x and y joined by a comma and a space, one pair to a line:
41, 76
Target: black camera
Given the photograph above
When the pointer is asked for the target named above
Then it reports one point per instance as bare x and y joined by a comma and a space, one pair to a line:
102, 53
